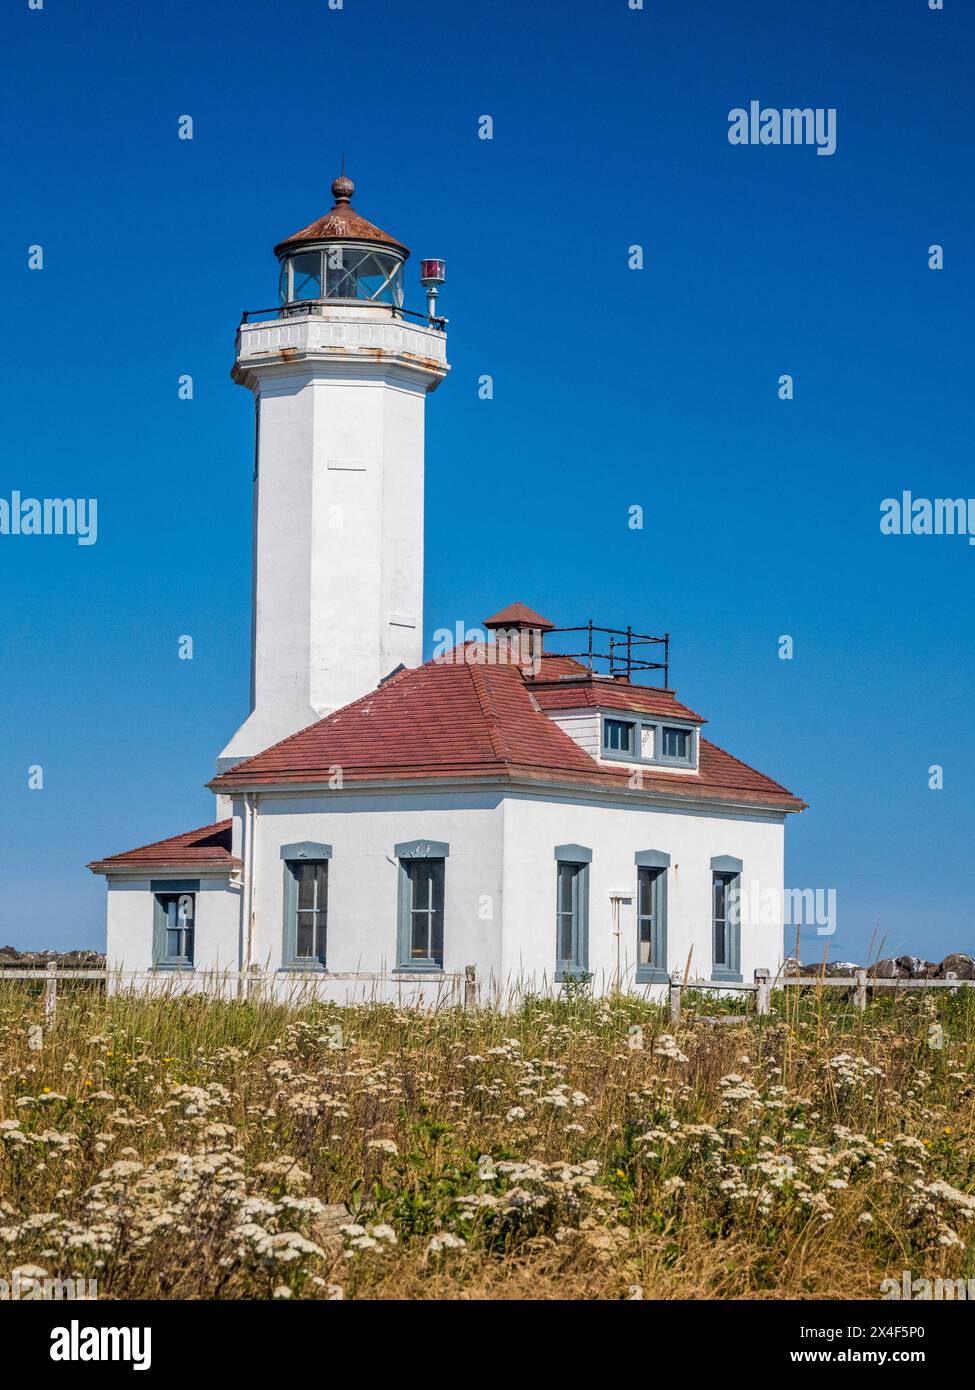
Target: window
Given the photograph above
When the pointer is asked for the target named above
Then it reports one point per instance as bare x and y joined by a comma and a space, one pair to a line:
572, 911
305, 905
649, 918
617, 736
646, 740
174, 921
725, 918
425, 911
179, 910
722, 886
422, 892
308, 904
676, 743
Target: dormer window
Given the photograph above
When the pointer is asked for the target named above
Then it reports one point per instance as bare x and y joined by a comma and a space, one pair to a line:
675, 743
642, 740
618, 735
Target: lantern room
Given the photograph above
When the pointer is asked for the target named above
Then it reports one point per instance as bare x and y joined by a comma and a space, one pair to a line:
341, 259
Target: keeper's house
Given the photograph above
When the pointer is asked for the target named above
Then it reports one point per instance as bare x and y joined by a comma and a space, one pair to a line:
524, 804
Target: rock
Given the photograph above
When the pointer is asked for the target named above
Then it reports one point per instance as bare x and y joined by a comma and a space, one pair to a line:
888, 969
963, 967
326, 1229
40, 960
914, 968
841, 967
335, 1214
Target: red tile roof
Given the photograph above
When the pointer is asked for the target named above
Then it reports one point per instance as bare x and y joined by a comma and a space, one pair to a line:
553, 666
463, 715
568, 692
208, 847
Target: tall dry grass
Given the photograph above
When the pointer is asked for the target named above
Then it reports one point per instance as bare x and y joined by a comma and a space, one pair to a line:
195, 1148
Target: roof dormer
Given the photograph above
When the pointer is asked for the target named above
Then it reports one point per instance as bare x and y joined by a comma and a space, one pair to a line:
662, 742
592, 696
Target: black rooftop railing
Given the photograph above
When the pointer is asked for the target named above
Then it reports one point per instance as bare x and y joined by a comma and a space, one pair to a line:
615, 651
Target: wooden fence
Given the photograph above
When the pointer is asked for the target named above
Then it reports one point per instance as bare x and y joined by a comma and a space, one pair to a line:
296, 985
860, 983
254, 984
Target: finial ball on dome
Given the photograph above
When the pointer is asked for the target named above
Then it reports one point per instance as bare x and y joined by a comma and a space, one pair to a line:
342, 189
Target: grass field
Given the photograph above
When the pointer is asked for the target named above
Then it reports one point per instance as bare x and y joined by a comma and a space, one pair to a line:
573, 1149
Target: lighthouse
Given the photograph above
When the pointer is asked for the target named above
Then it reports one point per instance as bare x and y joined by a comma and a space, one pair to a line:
339, 371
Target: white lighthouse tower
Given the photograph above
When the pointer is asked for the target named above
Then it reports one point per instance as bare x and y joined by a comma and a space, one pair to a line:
339, 372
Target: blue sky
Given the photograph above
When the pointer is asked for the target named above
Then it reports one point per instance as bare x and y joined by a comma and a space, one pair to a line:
612, 387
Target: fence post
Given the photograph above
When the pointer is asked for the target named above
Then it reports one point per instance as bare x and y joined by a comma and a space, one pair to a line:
470, 986
860, 993
252, 984
675, 989
763, 992
51, 992
951, 975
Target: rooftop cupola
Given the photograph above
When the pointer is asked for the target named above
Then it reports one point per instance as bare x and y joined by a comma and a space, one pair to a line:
341, 258
519, 632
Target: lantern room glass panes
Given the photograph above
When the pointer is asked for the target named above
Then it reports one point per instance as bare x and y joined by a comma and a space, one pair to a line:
357, 274
350, 273
306, 275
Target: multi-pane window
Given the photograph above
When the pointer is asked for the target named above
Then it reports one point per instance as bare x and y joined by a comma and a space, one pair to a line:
307, 911
617, 735
571, 917
175, 917
676, 743
725, 921
648, 741
424, 910
651, 941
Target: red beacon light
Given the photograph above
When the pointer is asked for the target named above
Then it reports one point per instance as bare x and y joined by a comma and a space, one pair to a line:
432, 273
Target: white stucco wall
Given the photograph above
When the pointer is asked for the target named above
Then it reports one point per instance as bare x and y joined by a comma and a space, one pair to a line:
362, 882
130, 924
499, 890
533, 826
